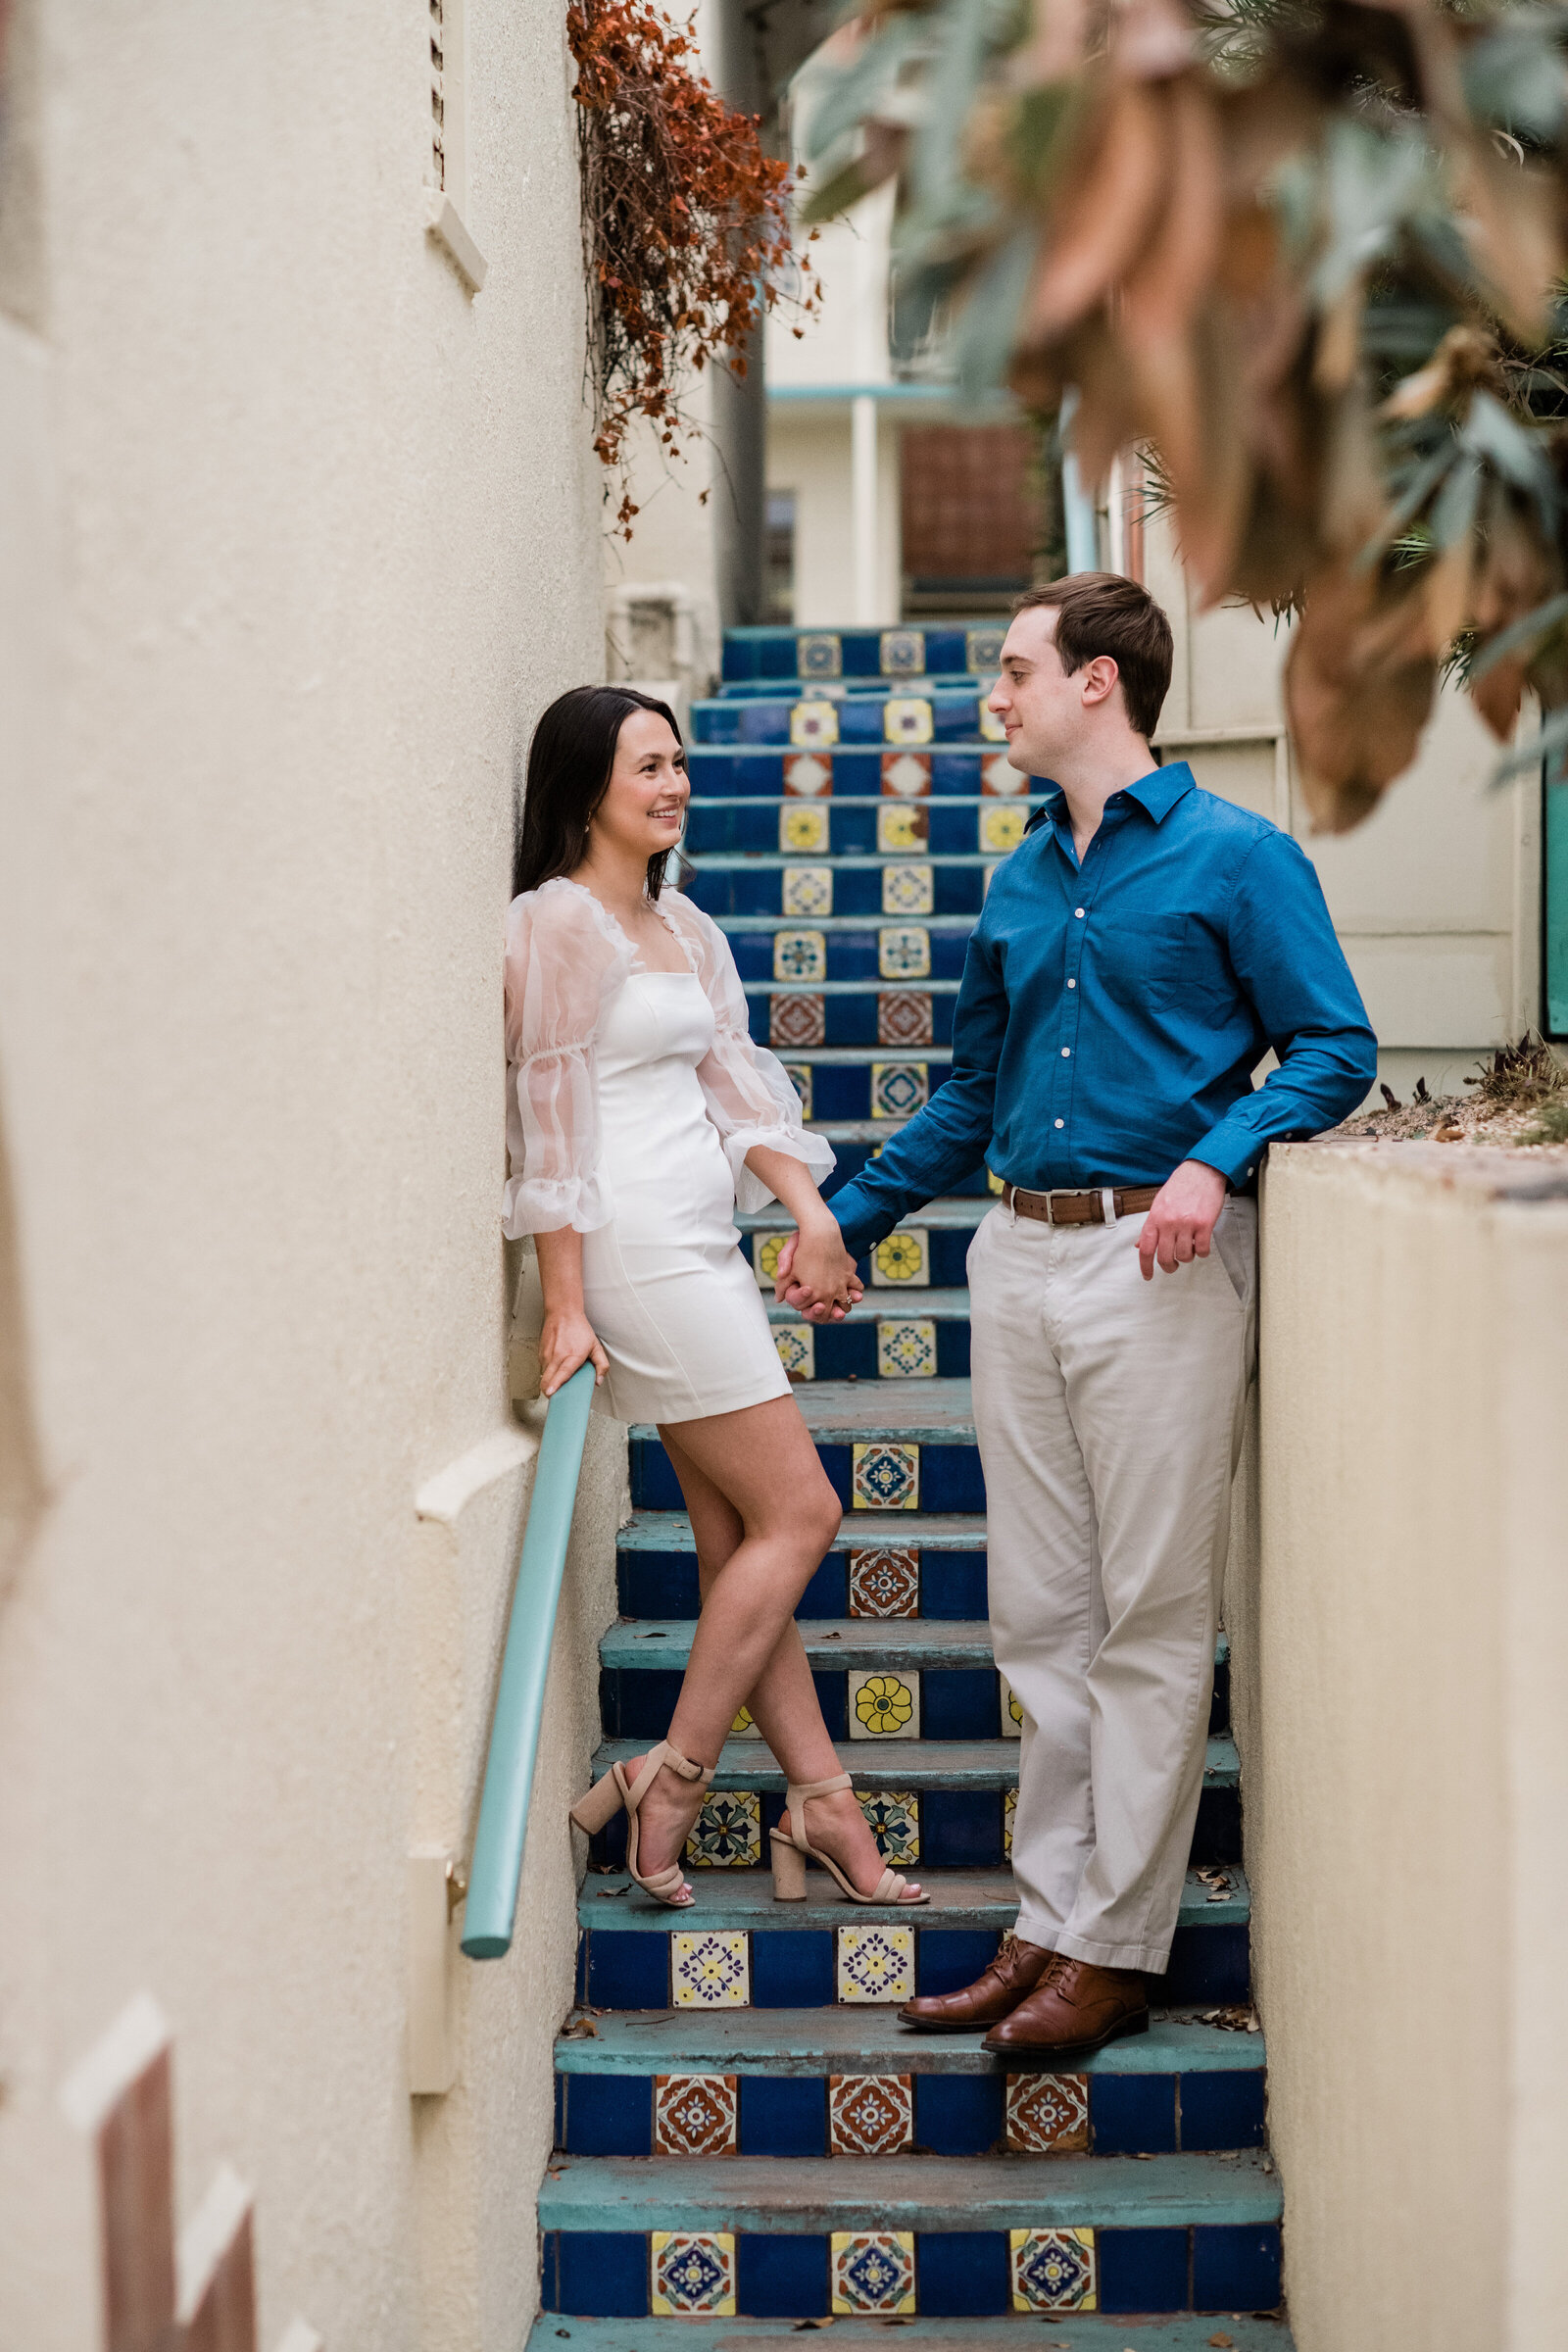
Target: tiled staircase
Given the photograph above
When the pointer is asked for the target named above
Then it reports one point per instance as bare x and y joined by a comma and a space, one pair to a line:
745, 2132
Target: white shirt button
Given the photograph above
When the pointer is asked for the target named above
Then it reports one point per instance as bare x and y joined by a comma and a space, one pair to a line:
1066, 1053
1062, 1122
1079, 913
1073, 984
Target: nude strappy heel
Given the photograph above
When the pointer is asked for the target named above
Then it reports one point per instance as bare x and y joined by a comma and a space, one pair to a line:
791, 1846
606, 1798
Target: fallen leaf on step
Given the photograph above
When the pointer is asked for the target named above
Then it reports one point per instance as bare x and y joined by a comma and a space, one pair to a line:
1447, 1134
802, 2324
613, 1894
1223, 2343
582, 2028
1142, 2155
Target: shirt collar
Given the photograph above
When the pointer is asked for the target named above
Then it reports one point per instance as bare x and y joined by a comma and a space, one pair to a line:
1157, 794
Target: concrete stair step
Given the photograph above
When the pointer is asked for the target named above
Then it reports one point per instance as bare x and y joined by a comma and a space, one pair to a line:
977, 1766
860, 651
982, 1901
891, 889
1165, 2233
1078, 2331
856, 771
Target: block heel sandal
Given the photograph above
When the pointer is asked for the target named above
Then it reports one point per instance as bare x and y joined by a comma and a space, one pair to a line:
792, 1847
606, 1798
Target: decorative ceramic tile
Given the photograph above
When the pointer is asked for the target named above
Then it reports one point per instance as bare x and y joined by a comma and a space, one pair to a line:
743, 1727
1047, 2112
797, 1020
902, 954
884, 1707
906, 718
808, 890
1000, 779
876, 1964
802, 828
903, 653
908, 890
904, 1016
800, 955
869, 2115
982, 648
765, 1249
819, 654
694, 2274
797, 1350
906, 1350
886, 1476
727, 1834
905, 1258
814, 726
873, 2270
902, 826
885, 1581
809, 776
712, 1968
906, 775
1053, 2269
992, 729
799, 1074
693, 2115
1011, 1712
894, 1818
1000, 827
899, 1088
1009, 1807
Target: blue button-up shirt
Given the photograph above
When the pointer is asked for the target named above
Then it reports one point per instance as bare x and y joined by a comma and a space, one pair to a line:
1111, 1013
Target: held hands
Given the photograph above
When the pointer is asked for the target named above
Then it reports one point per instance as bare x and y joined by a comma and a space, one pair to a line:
816, 1273
567, 1341
1181, 1218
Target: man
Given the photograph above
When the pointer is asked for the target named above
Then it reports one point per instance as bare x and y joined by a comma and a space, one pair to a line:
1137, 956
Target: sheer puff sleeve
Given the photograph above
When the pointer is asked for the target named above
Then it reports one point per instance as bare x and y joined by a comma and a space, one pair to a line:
750, 1099
564, 959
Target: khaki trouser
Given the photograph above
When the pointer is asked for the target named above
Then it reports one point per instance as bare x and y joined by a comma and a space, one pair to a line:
1110, 1414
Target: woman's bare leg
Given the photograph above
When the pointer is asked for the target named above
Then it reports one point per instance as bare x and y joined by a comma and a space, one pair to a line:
762, 1514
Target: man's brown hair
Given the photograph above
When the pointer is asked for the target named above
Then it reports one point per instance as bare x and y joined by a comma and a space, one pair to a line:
1100, 612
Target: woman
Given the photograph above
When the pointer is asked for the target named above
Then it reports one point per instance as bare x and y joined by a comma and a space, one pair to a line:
638, 1111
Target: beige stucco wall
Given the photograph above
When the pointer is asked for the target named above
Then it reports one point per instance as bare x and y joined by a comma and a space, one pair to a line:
296, 538
1402, 1642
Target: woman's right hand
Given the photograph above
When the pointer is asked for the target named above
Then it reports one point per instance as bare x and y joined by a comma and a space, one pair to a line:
567, 1341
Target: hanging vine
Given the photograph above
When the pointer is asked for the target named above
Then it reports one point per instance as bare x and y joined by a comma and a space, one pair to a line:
686, 224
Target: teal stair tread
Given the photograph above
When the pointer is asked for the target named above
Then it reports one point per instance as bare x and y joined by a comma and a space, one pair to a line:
845, 1412
859, 1057
959, 924
935, 1531
944, 1306
735, 1899
860, 1644
813, 2041
901, 1763
951, 1214
848, 988
1070, 2332
907, 2192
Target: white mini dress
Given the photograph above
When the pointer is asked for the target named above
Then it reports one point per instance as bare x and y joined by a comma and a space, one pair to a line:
632, 1101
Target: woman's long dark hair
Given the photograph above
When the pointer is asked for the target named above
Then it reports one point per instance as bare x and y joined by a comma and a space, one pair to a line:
570, 760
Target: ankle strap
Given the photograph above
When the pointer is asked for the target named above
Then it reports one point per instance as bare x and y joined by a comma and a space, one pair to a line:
654, 1763
800, 1791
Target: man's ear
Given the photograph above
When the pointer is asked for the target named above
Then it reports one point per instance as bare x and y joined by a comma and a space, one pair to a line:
1099, 678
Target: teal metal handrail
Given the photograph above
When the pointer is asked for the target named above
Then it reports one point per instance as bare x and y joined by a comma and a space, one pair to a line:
496, 1865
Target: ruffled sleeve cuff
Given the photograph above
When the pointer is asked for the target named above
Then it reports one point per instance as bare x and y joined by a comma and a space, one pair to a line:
751, 1192
548, 1205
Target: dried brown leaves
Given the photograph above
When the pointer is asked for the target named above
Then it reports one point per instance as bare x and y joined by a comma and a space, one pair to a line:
1205, 249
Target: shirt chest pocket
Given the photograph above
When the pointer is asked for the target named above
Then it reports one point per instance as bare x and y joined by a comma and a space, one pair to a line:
1142, 963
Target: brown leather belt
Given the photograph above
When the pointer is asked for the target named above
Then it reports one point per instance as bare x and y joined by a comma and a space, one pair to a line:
1078, 1208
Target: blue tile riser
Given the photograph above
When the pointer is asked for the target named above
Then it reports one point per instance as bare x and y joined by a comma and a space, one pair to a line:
654, 1584
849, 1350
857, 890
606, 2275
843, 1091
955, 2115
756, 771
636, 1703
748, 825
772, 651
792, 1968
851, 954
861, 721
851, 1020
950, 1479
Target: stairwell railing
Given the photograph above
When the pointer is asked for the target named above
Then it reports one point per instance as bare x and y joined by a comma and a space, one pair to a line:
496, 1868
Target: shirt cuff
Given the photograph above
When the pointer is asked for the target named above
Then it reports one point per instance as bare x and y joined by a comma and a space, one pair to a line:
1237, 1157
862, 1223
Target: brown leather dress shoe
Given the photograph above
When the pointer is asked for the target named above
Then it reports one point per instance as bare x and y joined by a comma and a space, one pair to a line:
1076, 2008
1011, 1975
